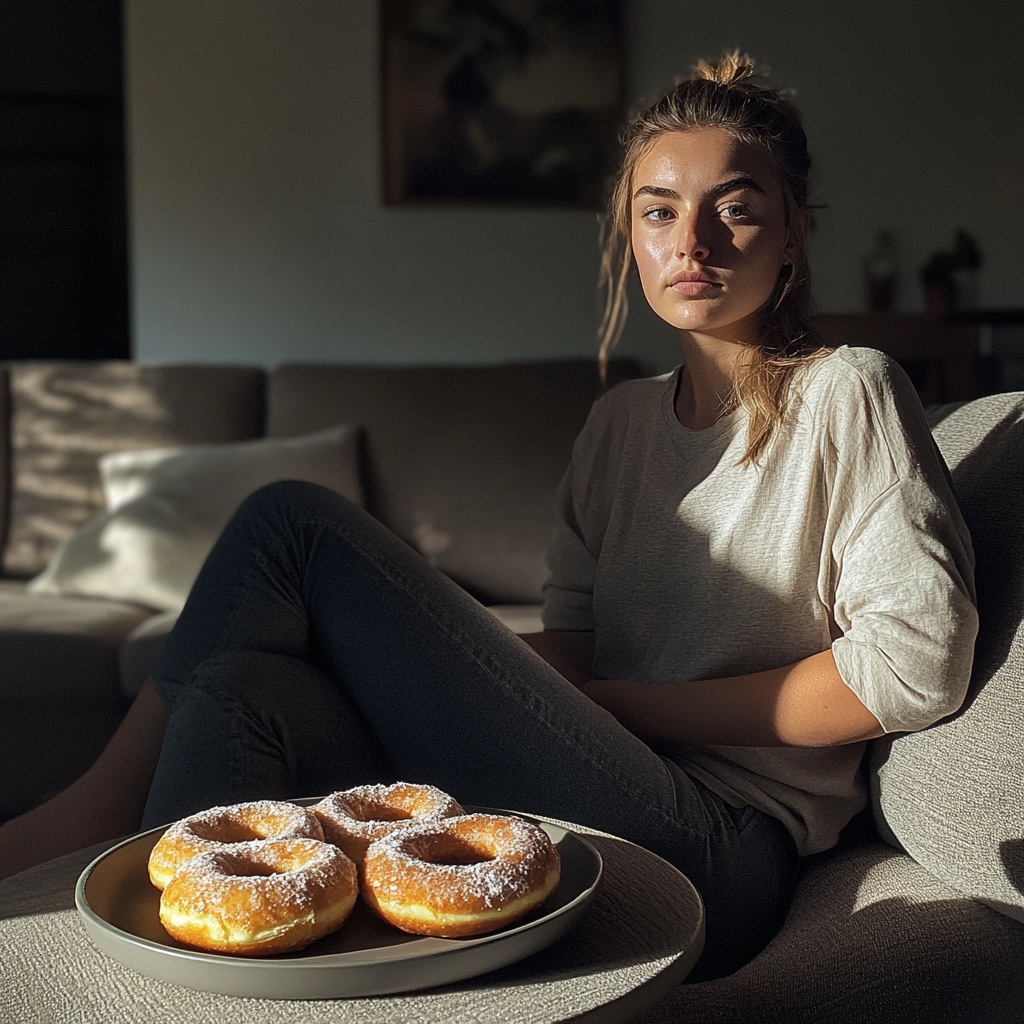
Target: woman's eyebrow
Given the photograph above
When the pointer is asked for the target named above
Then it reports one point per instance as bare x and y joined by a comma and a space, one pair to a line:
654, 190
740, 183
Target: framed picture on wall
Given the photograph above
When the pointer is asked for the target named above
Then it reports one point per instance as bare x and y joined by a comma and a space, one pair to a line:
500, 101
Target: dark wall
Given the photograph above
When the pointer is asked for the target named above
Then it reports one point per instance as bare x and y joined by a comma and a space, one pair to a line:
63, 248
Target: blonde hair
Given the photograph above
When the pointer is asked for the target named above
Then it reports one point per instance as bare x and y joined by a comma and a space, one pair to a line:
722, 94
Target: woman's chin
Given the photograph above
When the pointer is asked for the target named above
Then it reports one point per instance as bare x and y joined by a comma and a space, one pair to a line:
742, 331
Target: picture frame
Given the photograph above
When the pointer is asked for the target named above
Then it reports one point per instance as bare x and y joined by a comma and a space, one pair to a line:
512, 102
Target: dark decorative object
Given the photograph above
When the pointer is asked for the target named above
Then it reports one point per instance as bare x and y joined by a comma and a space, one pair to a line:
500, 100
948, 276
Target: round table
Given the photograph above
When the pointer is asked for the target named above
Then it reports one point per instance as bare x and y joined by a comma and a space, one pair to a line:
639, 938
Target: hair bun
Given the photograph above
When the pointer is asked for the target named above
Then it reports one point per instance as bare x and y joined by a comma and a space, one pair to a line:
729, 69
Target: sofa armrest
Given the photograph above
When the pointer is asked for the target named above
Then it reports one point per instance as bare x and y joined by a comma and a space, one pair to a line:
140, 649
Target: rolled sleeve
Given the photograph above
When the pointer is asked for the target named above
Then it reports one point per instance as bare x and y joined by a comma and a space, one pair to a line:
904, 603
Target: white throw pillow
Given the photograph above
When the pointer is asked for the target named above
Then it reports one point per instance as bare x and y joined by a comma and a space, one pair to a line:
167, 506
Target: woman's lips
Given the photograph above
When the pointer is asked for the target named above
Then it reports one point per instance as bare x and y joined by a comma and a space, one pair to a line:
692, 283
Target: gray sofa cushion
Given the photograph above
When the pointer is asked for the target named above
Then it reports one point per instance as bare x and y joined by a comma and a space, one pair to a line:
65, 415
462, 462
140, 650
926, 785
870, 936
59, 699
61, 649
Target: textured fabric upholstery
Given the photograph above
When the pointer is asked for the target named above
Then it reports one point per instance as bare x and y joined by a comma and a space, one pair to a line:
870, 936
462, 462
953, 795
65, 415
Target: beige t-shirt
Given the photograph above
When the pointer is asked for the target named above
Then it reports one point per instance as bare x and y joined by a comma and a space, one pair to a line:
687, 566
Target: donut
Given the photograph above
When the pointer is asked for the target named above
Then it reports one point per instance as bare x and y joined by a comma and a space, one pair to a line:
260, 898
220, 828
460, 876
354, 818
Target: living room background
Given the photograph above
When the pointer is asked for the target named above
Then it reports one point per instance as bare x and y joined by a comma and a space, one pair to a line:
258, 234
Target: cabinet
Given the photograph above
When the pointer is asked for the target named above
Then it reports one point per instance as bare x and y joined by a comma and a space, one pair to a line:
940, 357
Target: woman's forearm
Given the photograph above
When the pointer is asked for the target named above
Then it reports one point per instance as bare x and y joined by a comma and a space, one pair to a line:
806, 704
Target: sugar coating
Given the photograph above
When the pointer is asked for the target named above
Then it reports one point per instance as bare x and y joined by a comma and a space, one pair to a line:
354, 818
517, 858
360, 809
260, 891
269, 819
223, 828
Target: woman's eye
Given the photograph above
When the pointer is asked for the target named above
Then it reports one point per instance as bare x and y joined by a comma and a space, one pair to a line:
733, 211
658, 213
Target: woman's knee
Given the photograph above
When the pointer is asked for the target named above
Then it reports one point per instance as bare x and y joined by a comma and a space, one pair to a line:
257, 678
287, 498
284, 709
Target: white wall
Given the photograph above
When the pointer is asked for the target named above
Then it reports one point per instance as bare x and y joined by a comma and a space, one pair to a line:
258, 233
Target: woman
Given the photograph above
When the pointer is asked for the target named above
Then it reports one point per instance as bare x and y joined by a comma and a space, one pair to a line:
768, 534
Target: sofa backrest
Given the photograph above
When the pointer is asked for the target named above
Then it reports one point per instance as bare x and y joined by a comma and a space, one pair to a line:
64, 415
952, 795
461, 462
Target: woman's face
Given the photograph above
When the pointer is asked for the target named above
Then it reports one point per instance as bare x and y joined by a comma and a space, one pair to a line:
709, 232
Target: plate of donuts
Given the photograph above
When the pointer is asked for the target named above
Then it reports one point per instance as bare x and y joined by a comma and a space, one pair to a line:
129, 918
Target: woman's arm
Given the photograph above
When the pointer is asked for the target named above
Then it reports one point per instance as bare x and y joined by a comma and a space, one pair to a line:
805, 704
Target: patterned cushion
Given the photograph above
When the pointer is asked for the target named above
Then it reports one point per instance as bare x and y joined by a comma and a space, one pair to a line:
952, 795
64, 416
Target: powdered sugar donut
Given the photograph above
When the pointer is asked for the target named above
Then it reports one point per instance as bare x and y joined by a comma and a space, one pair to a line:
354, 818
460, 876
260, 898
220, 828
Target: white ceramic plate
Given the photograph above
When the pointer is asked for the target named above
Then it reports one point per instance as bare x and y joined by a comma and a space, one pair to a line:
367, 956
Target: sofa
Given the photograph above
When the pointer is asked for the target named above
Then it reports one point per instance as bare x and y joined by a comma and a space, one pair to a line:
918, 914
460, 462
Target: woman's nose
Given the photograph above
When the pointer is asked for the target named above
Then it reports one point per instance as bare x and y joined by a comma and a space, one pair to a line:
690, 240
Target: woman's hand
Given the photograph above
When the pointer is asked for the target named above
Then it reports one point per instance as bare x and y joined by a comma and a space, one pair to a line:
805, 704
571, 654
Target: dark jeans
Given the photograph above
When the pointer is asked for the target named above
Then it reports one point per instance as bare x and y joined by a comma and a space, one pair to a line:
317, 651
